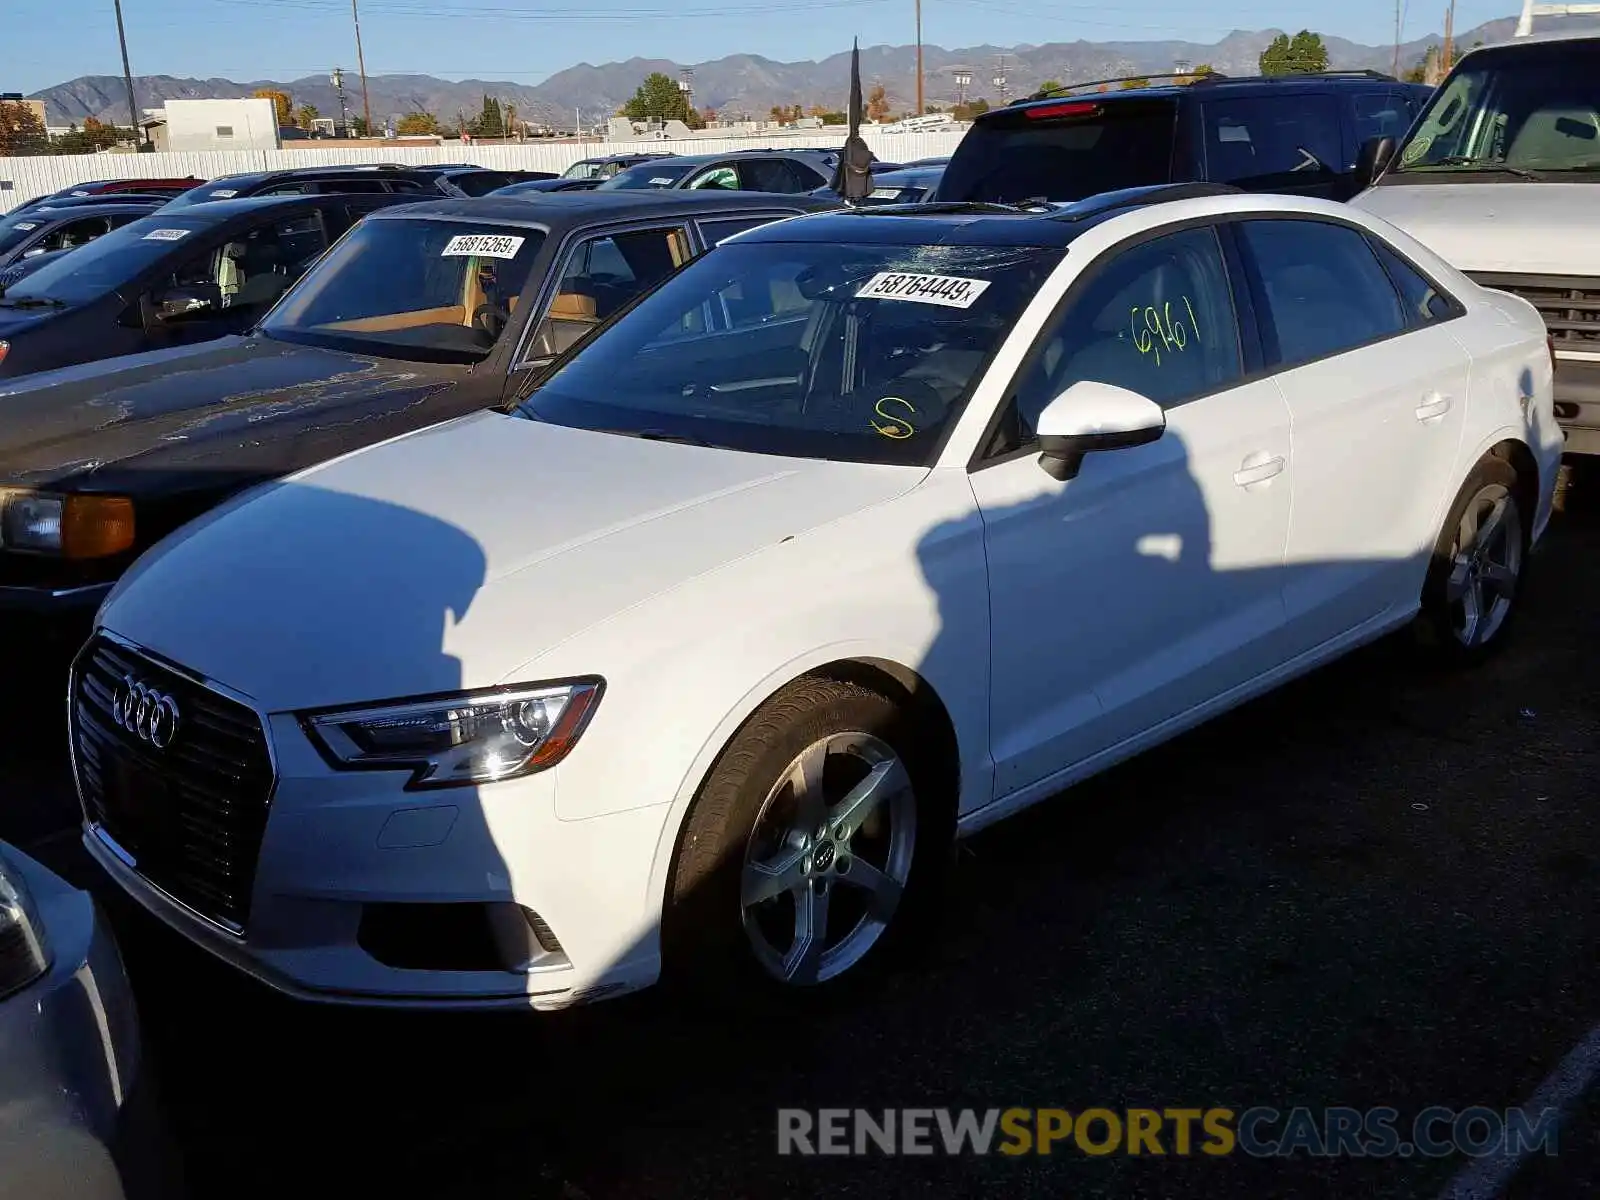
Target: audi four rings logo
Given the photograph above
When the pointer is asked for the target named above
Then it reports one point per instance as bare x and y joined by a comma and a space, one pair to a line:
149, 715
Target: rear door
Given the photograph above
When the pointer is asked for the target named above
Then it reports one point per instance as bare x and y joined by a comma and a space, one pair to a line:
1279, 142
1376, 387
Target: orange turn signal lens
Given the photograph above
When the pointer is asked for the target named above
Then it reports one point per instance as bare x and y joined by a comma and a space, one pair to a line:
96, 526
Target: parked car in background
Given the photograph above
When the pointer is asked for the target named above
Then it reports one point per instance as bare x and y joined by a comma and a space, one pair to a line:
377, 179
152, 199
71, 1075
47, 229
783, 171
539, 186
863, 531
905, 186
463, 179
107, 187
1294, 134
936, 161
607, 165
169, 278
422, 313
1500, 176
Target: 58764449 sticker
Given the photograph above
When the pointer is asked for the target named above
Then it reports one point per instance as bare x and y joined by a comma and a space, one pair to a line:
948, 291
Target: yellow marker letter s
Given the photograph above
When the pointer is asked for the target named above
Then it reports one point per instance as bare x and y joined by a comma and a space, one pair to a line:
897, 426
1019, 1137
1218, 1124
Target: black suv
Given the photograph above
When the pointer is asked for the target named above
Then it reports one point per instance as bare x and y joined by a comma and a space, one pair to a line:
378, 179
1301, 134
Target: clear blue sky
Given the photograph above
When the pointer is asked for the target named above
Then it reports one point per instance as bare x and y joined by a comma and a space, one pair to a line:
50, 41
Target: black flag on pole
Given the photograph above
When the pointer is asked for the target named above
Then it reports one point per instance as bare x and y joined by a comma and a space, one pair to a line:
852, 178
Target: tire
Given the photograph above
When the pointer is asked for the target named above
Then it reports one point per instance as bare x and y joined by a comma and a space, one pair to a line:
1474, 588
742, 873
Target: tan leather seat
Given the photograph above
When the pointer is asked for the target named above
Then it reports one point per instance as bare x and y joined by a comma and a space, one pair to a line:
572, 315
573, 306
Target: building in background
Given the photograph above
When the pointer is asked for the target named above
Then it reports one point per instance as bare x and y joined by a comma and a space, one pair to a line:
244, 124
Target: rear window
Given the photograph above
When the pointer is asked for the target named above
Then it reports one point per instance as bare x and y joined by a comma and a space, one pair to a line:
1068, 151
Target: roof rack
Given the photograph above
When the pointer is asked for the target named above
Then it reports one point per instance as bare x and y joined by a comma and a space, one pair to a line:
1210, 78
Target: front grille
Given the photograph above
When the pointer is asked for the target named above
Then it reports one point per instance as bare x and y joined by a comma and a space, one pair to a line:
191, 815
1569, 304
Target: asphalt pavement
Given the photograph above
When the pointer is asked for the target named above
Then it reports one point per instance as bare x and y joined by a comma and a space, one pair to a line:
1374, 888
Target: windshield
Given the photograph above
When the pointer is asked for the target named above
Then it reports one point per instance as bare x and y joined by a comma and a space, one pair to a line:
865, 353
646, 176
108, 262
586, 169
217, 189
1067, 151
424, 290
1532, 109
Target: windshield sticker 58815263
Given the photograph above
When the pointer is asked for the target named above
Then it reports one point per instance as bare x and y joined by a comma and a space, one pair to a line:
945, 290
487, 245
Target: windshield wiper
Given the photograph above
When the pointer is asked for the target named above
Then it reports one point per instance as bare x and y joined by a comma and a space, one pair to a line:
32, 302
1480, 164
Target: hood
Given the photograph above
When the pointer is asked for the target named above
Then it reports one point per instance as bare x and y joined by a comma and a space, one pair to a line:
1512, 226
450, 557
178, 406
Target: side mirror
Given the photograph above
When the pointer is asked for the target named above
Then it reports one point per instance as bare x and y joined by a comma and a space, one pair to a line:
188, 302
1373, 160
1091, 416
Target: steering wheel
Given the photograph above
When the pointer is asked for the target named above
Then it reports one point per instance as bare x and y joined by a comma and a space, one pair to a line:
491, 320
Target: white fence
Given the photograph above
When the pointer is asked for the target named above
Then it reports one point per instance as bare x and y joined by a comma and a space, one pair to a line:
23, 178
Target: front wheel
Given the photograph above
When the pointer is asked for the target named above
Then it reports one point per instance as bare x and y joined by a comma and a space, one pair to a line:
1474, 582
811, 845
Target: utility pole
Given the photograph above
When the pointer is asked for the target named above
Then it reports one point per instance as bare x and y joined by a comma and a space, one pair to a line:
919, 58
127, 78
1449, 38
361, 65
1396, 71
1000, 84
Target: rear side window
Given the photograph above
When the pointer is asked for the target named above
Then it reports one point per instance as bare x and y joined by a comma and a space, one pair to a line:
479, 184
1067, 151
1270, 143
1423, 302
767, 175
1380, 114
357, 187
1322, 287
719, 231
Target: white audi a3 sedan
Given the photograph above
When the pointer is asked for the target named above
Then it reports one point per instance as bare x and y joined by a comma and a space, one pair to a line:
859, 533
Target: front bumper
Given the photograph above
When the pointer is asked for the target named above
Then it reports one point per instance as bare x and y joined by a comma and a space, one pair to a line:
1577, 404
69, 1054
337, 842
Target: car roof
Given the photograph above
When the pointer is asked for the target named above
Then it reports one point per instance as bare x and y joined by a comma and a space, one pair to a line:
799, 152
221, 210
566, 209
359, 170
1539, 39
1214, 86
965, 224
84, 211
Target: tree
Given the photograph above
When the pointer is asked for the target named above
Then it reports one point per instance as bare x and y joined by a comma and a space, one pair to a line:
971, 110
305, 116
1204, 69
877, 103
21, 131
1304, 54
358, 127
490, 122
835, 118
1129, 84
414, 123
659, 98
1050, 85
777, 114
281, 102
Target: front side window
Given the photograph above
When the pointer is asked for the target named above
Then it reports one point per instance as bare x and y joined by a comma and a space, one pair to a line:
768, 175
253, 268
1533, 108
428, 290
1156, 319
109, 262
1272, 142
724, 176
863, 353
1322, 289
601, 275
587, 169
75, 234
718, 231
1380, 114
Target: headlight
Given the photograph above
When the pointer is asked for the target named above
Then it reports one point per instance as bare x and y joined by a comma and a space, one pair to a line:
474, 737
72, 526
23, 954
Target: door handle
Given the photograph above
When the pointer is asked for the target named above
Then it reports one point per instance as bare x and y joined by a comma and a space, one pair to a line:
1434, 405
1258, 470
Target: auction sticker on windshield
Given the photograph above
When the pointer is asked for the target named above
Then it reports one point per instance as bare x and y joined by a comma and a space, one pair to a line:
490, 245
224, 193
26, 227
946, 290
166, 235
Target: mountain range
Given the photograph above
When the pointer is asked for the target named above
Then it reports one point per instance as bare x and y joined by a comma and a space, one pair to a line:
744, 84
